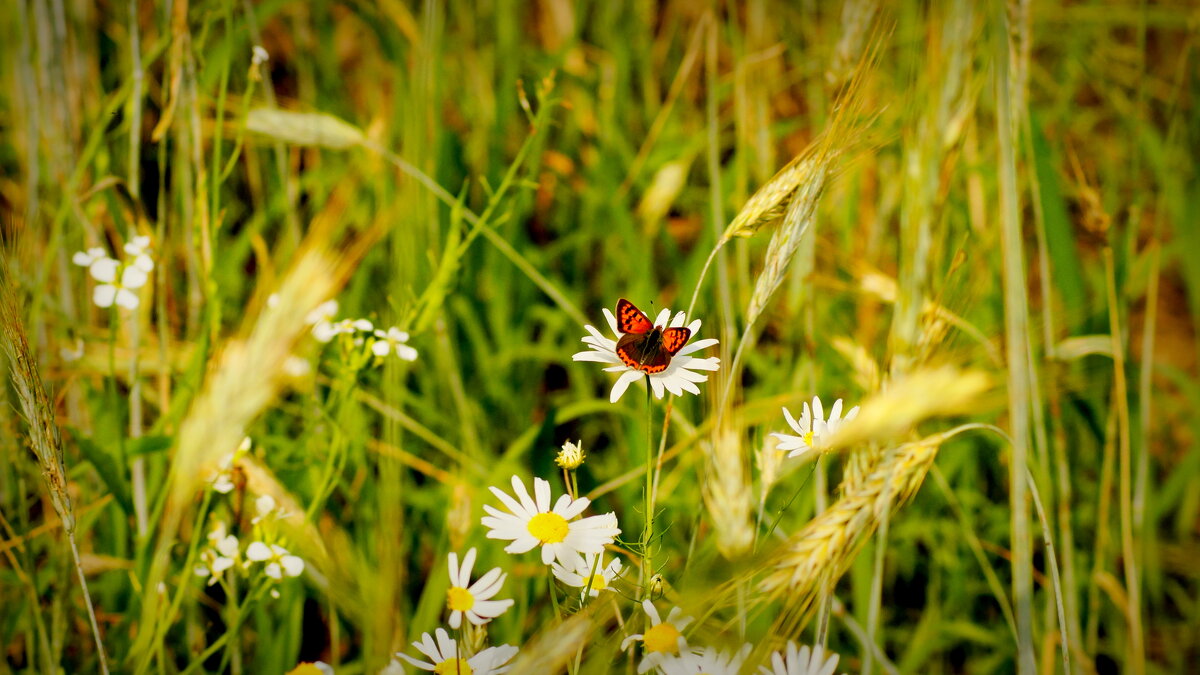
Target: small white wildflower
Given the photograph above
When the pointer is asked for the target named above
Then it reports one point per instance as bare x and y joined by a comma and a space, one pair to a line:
221, 554
278, 561
532, 523
444, 659
259, 55
111, 290
296, 367
86, 258
323, 312
72, 353
139, 249
393, 340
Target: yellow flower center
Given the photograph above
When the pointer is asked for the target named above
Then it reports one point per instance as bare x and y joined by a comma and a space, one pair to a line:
808, 438
597, 581
459, 599
548, 528
662, 638
453, 667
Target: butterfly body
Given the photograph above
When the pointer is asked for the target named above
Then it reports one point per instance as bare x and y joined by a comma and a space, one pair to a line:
644, 346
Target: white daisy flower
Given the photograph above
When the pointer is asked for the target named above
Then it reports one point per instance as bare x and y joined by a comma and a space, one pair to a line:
680, 374
221, 554
86, 258
139, 249
813, 429
111, 290
802, 661
531, 522
587, 572
393, 340
445, 658
472, 599
279, 561
663, 639
708, 661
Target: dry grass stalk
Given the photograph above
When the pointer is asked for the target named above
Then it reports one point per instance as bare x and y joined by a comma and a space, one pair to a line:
44, 437
727, 492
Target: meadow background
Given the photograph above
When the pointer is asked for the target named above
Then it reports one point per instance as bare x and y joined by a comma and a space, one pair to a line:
1002, 200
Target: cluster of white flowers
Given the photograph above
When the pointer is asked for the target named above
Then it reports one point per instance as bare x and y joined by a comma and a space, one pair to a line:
361, 331
224, 550
119, 279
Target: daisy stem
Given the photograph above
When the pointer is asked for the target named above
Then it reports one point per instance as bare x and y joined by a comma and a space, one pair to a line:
553, 594
648, 532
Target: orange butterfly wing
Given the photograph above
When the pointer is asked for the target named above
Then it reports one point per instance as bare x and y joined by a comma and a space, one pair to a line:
630, 319
675, 338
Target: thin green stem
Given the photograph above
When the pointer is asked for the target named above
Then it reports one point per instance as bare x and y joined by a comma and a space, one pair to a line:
648, 532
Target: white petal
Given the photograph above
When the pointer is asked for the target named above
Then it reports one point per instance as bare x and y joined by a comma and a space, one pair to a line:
656, 383
104, 270
405, 352
273, 570
612, 321
104, 295
622, 384
82, 259
292, 565
133, 277
258, 551
127, 298
380, 348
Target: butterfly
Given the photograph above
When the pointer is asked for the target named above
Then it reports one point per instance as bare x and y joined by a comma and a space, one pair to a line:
644, 346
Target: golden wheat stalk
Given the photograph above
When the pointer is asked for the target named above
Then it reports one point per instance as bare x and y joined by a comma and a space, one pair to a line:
727, 493
823, 550
44, 437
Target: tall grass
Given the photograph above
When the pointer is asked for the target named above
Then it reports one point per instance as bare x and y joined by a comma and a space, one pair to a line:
965, 218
